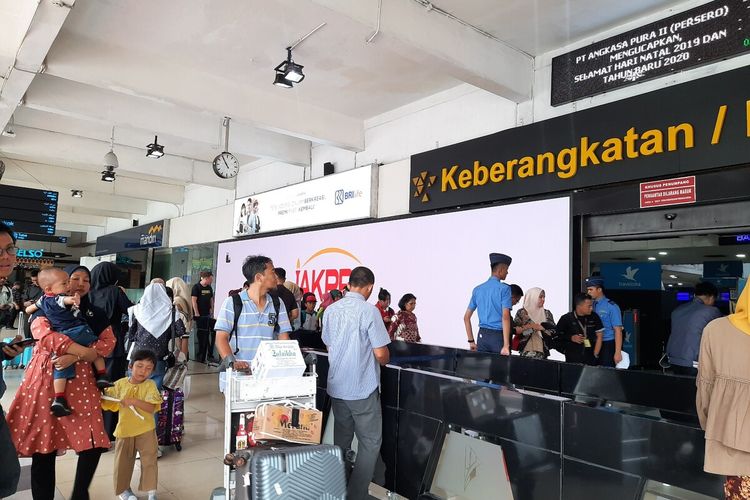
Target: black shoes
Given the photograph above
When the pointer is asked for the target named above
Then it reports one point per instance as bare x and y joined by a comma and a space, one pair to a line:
60, 407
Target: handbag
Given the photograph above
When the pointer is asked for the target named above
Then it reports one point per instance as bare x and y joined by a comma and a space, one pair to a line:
174, 378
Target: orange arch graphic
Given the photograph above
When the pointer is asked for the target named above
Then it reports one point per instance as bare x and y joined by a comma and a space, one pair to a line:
331, 250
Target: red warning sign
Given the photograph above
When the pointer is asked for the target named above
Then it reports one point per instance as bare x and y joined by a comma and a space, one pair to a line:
668, 192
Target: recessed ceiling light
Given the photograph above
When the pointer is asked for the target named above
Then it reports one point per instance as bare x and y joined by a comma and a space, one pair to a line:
670, 284
679, 284
673, 276
652, 258
663, 253
741, 255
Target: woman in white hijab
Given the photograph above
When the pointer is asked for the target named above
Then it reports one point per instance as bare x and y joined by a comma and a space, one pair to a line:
182, 301
530, 317
154, 321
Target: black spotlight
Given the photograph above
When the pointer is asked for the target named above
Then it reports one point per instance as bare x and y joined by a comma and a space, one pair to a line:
155, 150
108, 175
288, 72
76, 193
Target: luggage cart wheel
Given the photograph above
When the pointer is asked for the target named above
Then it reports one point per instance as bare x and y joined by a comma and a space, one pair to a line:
178, 446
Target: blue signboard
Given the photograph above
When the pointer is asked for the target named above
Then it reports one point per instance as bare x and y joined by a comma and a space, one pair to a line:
137, 238
722, 269
631, 275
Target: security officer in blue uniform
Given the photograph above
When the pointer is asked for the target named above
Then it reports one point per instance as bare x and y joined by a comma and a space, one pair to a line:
493, 300
609, 312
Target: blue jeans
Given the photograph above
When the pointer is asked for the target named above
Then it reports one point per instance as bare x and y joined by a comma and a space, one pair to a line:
81, 335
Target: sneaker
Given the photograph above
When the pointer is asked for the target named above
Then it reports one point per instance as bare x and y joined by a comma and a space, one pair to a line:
60, 408
127, 495
103, 382
159, 452
152, 495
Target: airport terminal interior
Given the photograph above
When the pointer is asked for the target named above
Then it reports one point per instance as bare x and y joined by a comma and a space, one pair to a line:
543, 203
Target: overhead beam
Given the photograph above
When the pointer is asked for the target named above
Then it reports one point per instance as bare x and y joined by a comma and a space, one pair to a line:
77, 100
36, 175
434, 39
111, 67
87, 154
44, 28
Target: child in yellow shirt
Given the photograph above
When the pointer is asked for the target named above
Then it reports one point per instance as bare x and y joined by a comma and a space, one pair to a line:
136, 398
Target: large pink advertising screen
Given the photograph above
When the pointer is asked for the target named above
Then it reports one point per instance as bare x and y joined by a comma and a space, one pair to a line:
438, 258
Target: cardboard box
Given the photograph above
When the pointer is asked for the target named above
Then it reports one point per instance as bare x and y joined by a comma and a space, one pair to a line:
278, 358
288, 423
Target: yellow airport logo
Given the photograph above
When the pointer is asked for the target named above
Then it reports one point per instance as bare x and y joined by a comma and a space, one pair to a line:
422, 182
154, 229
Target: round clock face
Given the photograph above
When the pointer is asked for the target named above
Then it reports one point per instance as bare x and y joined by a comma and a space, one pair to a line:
226, 165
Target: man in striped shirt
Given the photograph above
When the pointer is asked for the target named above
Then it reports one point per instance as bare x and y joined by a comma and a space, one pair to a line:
258, 317
357, 344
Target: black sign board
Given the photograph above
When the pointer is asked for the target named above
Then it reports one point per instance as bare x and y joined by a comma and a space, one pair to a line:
136, 238
41, 237
735, 239
28, 210
694, 126
711, 32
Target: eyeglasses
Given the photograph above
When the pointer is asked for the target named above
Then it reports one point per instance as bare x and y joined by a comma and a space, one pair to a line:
11, 250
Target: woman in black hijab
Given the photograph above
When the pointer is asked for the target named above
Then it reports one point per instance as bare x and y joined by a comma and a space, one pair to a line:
106, 296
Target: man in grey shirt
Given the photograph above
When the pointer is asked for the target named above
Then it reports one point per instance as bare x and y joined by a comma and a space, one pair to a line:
357, 344
688, 322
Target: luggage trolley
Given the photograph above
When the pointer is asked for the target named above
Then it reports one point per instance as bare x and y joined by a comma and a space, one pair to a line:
242, 395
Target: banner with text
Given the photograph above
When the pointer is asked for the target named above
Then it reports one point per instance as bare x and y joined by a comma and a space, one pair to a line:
341, 197
694, 126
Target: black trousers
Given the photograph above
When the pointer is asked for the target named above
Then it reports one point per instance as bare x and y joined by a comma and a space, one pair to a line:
43, 474
684, 370
204, 326
607, 354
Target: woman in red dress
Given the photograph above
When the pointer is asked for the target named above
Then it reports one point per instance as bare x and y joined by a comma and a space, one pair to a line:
404, 327
35, 431
384, 307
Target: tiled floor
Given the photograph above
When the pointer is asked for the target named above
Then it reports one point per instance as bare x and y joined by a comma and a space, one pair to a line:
190, 474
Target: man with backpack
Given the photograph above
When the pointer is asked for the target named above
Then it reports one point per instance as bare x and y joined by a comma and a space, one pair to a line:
251, 316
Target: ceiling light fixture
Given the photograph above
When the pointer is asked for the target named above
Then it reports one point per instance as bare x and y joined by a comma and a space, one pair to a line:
9, 131
289, 72
110, 161
679, 284
76, 193
663, 253
652, 258
741, 255
673, 276
155, 150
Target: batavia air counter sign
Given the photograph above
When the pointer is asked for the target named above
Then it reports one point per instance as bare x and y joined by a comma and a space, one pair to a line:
704, 124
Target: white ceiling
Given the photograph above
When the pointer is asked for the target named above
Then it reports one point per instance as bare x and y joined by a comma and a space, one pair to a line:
152, 67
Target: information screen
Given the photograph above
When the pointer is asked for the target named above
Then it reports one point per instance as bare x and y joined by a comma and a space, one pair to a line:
27, 210
711, 32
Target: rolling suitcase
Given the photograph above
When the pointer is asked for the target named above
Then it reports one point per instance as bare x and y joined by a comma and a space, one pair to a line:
26, 357
300, 473
11, 363
170, 425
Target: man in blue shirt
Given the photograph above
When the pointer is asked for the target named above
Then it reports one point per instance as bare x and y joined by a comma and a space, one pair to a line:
10, 470
257, 319
357, 344
688, 322
493, 300
609, 313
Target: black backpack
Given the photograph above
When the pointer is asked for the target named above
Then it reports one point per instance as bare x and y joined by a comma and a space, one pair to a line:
237, 308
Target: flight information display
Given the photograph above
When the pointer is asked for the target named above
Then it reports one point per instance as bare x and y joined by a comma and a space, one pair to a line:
711, 32
25, 210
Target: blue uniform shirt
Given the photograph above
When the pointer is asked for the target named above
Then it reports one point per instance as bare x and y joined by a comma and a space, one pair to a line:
610, 314
490, 298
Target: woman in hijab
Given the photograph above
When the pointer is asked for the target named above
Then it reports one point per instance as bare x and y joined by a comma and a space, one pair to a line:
111, 299
35, 433
723, 398
534, 340
328, 299
183, 302
154, 323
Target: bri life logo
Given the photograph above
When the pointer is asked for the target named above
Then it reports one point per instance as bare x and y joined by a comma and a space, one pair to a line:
341, 195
